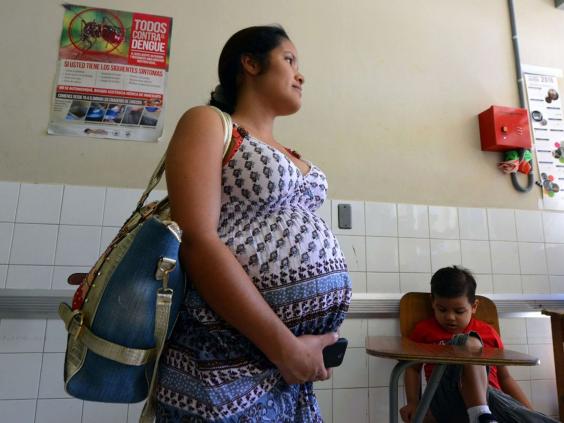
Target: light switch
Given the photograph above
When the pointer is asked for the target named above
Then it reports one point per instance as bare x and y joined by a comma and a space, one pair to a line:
344, 216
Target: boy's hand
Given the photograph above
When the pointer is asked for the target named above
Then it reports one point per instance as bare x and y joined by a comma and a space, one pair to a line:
408, 411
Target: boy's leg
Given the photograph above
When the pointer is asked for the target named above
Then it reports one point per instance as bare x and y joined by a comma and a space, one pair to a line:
509, 410
449, 403
474, 382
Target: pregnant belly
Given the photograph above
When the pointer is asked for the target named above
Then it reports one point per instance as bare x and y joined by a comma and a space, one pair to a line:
312, 306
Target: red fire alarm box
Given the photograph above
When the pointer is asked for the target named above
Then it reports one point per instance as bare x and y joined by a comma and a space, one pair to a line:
504, 128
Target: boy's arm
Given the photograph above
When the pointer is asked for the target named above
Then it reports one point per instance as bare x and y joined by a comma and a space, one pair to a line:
511, 387
412, 379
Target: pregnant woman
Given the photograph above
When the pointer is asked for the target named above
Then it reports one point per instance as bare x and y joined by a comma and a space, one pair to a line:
267, 282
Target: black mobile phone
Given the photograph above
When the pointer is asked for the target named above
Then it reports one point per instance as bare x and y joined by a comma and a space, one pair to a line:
333, 354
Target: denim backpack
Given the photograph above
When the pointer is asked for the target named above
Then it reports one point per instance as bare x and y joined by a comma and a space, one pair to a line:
126, 306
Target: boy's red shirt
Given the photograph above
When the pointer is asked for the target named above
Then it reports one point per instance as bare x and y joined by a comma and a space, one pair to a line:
430, 332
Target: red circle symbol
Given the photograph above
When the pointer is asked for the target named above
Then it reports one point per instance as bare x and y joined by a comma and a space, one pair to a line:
96, 31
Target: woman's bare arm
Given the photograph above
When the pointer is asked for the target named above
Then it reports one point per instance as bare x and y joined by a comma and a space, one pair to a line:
193, 171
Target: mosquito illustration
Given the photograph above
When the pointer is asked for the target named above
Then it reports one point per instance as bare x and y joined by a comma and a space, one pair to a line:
91, 31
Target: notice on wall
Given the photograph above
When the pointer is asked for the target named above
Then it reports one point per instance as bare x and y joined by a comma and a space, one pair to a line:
547, 125
111, 74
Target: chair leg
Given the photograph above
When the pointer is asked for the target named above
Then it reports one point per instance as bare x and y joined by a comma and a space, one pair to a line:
394, 379
430, 390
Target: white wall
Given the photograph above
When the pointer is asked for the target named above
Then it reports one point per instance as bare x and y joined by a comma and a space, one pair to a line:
50, 231
391, 98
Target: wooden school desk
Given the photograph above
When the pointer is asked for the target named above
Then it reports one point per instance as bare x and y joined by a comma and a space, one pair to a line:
409, 353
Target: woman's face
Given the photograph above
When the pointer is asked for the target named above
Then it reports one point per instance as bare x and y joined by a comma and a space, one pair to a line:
282, 82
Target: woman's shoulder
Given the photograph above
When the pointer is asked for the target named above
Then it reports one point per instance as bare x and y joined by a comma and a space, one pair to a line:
200, 114
200, 122
200, 128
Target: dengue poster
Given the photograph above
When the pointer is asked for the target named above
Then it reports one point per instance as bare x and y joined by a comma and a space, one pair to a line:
111, 74
547, 123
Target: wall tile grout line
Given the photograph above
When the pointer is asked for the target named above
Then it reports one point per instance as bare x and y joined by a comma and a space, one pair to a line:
17, 202
104, 212
546, 254
41, 369
56, 243
398, 236
13, 231
365, 250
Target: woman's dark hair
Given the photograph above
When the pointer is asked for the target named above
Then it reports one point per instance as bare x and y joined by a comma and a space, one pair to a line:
455, 281
255, 41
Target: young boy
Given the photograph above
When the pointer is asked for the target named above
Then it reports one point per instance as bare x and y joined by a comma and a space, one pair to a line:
467, 393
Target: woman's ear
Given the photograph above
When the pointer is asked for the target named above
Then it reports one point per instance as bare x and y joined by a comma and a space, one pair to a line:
250, 65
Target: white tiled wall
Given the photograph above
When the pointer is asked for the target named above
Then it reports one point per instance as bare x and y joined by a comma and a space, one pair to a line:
50, 231
46, 233
507, 249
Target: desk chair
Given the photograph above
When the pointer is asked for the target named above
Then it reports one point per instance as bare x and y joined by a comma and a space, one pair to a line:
414, 307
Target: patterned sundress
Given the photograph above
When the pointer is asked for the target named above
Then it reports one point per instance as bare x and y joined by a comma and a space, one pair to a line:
209, 371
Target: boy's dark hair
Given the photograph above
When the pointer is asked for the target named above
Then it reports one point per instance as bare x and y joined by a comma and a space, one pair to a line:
455, 281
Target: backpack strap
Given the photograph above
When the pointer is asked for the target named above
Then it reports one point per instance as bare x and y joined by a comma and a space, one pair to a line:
164, 301
158, 173
74, 322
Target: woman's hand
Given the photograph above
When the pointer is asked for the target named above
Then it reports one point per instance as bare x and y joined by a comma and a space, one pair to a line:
303, 361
